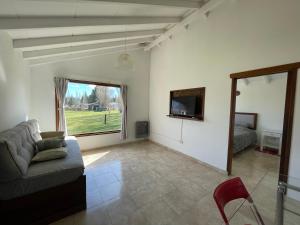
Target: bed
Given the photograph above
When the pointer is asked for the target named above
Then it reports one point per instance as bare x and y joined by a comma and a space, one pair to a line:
244, 131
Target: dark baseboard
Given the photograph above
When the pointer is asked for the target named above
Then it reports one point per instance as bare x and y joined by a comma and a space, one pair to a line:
45, 206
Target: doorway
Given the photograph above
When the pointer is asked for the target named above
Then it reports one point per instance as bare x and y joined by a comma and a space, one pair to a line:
291, 70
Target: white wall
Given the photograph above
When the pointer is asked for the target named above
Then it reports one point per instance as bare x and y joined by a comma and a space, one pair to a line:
237, 36
14, 85
97, 68
266, 99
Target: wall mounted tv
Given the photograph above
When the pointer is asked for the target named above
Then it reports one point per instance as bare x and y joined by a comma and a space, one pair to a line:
187, 103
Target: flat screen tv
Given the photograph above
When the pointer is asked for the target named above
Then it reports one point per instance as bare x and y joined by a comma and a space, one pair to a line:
185, 106
187, 103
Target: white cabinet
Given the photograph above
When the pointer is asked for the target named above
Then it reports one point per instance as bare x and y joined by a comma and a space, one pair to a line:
271, 139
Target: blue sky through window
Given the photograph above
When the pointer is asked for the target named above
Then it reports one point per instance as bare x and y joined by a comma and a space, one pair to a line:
78, 89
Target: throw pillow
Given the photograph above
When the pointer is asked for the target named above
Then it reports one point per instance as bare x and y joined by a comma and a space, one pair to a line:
51, 154
50, 144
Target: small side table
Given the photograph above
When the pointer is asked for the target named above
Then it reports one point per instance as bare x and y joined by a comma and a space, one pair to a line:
271, 139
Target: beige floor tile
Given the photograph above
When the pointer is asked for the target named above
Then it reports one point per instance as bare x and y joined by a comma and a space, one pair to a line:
159, 213
194, 218
292, 205
124, 211
162, 187
190, 188
105, 179
204, 212
179, 201
291, 218
93, 216
90, 183
111, 191
134, 218
70, 220
209, 180
122, 205
146, 195
123, 172
97, 170
93, 198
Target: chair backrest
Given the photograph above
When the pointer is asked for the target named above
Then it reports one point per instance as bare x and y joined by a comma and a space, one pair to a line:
227, 191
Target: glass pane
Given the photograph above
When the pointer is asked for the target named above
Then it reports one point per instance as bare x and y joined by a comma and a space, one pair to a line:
92, 108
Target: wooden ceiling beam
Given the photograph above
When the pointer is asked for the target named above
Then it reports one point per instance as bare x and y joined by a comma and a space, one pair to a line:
7, 23
63, 41
82, 48
80, 55
168, 3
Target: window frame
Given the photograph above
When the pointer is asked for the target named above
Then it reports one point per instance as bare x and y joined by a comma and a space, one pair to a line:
85, 82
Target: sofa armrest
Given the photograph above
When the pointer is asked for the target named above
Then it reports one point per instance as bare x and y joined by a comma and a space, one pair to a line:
52, 134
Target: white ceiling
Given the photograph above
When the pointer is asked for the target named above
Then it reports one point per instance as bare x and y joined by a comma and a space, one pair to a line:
29, 21
83, 8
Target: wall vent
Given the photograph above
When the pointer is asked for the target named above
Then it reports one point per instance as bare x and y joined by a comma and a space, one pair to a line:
141, 129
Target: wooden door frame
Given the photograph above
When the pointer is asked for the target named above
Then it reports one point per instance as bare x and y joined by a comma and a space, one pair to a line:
291, 70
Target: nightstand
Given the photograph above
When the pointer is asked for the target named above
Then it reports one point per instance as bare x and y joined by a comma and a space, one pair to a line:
271, 139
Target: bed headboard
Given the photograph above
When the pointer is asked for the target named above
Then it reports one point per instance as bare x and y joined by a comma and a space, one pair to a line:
248, 120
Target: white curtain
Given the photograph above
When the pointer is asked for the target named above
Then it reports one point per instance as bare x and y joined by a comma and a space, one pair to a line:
124, 112
61, 87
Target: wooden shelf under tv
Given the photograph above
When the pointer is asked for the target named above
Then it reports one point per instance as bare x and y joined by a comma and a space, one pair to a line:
185, 117
199, 92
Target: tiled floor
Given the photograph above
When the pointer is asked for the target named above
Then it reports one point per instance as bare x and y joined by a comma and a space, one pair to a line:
253, 165
143, 183
259, 172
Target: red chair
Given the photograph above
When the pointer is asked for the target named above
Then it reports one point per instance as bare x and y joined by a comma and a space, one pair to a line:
231, 190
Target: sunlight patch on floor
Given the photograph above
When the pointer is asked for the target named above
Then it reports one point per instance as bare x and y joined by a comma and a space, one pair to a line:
91, 158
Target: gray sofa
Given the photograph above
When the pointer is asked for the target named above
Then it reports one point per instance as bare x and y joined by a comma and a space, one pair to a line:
25, 182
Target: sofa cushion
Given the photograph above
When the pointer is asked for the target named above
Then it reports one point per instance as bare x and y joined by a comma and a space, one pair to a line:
34, 129
48, 174
8, 168
19, 147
